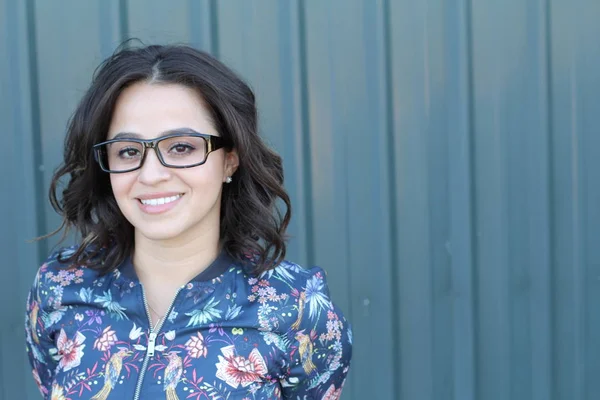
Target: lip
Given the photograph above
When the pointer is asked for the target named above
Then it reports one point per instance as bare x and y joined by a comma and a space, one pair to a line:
160, 208
150, 196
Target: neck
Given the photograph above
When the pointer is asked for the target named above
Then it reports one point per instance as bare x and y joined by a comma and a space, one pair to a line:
174, 262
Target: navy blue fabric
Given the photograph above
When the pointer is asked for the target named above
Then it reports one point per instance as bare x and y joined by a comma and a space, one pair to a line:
229, 334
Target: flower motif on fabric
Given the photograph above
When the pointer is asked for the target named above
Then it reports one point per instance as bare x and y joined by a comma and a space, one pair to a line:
263, 292
94, 316
135, 332
334, 327
66, 277
57, 392
68, 352
196, 347
170, 335
106, 340
236, 370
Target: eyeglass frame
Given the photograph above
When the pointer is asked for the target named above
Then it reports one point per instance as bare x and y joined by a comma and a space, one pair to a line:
213, 143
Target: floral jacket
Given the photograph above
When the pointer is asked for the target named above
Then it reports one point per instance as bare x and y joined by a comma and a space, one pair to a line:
228, 335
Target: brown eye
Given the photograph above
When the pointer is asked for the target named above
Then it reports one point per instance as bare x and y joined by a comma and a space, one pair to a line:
181, 149
129, 152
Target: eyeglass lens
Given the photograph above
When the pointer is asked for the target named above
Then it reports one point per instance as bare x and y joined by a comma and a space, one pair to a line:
178, 151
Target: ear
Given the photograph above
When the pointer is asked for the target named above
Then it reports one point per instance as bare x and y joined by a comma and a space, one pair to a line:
232, 161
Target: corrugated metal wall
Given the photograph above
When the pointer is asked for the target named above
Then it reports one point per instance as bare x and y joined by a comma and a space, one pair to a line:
443, 158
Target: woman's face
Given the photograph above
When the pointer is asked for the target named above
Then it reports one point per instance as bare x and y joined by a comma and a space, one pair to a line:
191, 197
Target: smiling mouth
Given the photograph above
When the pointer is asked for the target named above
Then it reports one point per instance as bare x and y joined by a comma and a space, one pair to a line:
160, 200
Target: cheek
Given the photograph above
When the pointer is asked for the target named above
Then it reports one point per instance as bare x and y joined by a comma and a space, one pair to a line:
120, 183
206, 177
204, 182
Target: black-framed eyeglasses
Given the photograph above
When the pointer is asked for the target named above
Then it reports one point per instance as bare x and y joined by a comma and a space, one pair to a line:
178, 150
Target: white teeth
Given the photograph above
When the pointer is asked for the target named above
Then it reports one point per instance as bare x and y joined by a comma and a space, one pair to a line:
160, 201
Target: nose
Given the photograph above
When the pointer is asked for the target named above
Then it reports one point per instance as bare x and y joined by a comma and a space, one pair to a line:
152, 171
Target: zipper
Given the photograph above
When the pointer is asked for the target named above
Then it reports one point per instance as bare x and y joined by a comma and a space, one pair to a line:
152, 334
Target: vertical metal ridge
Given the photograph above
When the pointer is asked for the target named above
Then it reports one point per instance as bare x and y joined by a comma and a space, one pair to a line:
542, 388
550, 190
194, 17
106, 28
214, 28
123, 20
36, 130
305, 115
576, 227
462, 200
578, 247
471, 173
389, 105
428, 132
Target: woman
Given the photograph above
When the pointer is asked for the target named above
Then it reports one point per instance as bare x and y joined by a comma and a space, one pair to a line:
179, 288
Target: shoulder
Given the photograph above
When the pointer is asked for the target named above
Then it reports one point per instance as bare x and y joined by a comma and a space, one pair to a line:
292, 275
57, 275
304, 293
60, 260
287, 279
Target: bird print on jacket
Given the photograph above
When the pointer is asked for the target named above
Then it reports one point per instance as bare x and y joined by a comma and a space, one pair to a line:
34, 309
301, 301
306, 352
229, 334
173, 375
111, 373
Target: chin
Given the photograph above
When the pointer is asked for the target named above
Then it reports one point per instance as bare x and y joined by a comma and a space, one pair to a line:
160, 232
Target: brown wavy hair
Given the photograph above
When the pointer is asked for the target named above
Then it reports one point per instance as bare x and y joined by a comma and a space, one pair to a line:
252, 226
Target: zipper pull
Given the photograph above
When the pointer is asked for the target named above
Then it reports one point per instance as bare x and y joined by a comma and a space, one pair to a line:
151, 343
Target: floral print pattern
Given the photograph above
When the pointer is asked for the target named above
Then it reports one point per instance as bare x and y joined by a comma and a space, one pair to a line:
229, 334
195, 346
68, 352
106, 340
237, 370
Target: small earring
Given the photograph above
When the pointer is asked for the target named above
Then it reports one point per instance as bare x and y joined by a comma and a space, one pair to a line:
228, 179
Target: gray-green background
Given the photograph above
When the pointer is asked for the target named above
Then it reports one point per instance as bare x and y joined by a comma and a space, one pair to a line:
443, 159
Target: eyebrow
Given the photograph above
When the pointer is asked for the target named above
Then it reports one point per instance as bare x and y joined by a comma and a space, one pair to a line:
133, 135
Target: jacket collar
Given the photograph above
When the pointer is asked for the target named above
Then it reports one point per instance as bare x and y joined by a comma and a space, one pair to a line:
214, 270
